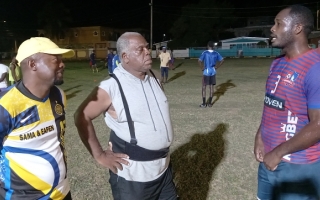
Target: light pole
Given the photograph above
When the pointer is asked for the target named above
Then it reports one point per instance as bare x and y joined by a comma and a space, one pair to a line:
151, 25
317, 17
317, 20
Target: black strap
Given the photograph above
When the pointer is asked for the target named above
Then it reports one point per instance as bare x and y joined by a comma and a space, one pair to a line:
156, 79
135, 152
126, 108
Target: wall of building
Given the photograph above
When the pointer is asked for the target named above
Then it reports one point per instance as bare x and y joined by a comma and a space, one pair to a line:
244, 52
97, 37
239, 45
315, 41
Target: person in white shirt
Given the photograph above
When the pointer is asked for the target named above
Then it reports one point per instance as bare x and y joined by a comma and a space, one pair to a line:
3, 75
164, 64
138, 153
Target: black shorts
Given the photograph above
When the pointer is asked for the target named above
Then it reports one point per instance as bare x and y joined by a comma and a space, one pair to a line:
209, 80
162, 188
68, 197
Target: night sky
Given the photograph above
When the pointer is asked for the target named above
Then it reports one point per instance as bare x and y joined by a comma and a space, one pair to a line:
21, 15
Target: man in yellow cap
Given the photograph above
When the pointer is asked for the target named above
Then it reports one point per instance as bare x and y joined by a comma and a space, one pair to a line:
32, 126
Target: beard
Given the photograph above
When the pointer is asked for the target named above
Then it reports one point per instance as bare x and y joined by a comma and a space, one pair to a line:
58, 82
284, 41
58, 79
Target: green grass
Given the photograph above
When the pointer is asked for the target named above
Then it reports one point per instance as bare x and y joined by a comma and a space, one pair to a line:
212, 150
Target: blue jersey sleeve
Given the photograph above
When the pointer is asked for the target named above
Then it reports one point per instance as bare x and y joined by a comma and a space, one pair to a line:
219, 57
202, 56
114, 61
5, 123
110, 58
312, 87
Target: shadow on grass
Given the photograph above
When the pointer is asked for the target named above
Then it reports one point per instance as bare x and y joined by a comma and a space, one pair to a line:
176, 76
194, 163
221, 90
73, 94
178, 65
66, 90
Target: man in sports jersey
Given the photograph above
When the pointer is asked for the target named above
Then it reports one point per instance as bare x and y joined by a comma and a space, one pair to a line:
287, 141
109, 60
93, 61
137, 156
115, 62
14, 72
209, 61
32, 126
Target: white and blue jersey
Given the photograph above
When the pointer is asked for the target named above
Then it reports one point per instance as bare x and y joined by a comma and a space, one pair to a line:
115, 62
209, 59
33, 162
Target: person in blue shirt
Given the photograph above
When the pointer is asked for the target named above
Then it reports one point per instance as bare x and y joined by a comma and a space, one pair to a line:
93, 62
209, 61
115, 63
109, 60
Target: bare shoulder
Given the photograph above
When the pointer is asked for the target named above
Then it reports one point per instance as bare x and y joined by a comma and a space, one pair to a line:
96, 103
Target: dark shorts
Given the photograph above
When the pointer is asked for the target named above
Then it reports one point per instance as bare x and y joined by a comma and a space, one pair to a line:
68, 197
209, 80
162, 188
92, 63
289, 182
164, 71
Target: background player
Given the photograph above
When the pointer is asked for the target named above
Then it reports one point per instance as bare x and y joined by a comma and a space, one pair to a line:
209, 61
93, 61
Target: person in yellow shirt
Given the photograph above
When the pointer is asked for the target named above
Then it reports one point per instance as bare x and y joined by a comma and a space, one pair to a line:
14, 72
33, 162
164, 64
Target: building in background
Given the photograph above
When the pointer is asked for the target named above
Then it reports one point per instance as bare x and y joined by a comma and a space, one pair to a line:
314, 39
242, 42
84, 39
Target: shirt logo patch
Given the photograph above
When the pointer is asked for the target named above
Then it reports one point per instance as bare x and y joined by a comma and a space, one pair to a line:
274, 102
25, 119
290, 78
58, 109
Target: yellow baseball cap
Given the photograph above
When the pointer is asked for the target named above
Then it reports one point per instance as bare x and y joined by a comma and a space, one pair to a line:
41, 45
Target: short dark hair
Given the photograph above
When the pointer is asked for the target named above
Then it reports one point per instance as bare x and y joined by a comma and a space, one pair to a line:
210, 44
302, 15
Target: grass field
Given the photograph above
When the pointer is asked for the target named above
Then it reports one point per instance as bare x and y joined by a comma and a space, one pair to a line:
212, 153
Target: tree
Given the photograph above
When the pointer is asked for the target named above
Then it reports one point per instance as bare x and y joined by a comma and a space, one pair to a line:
257, 33
55, 18
201, 22
262, 44
223, 35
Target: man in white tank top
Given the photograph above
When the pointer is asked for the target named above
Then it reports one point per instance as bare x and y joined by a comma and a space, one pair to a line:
132, 176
